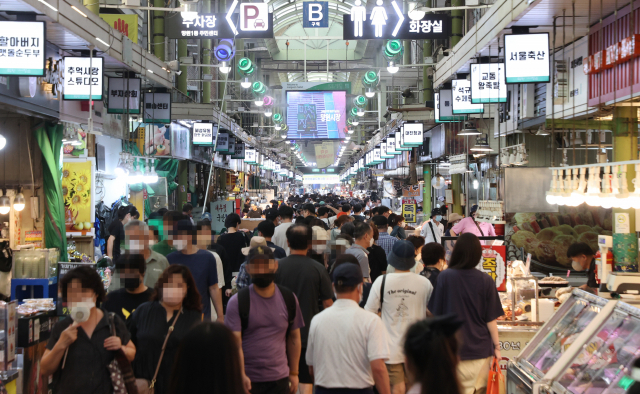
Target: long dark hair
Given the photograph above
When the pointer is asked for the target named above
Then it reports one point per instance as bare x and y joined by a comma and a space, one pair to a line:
207, 361
431, 348
466, 253
192, 300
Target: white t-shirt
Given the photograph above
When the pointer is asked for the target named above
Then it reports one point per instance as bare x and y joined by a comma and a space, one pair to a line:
438, 230
343, 340
406, 296
280, 236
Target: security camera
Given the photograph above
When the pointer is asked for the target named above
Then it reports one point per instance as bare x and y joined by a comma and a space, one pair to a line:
430, 77
174, 65
178, 72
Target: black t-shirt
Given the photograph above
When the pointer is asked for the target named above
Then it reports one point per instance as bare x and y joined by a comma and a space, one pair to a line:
377, 261
591, 275
232, 244
310, 281
473, 297
431, 273
85, 370
123, 303
149, 326
117, 230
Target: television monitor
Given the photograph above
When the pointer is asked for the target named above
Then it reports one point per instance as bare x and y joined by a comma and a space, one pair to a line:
316, 114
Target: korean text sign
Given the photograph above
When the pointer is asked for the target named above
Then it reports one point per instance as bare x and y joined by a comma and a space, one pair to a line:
203, 133
390, 23
157, 107
412, 134
206, 26
409, 212
527, 58
22, 48
461, 93
219, 211
494, 263
120, 91
82, 77
488, 83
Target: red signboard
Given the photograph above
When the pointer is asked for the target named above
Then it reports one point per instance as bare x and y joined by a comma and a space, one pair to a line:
611, 56
494, 263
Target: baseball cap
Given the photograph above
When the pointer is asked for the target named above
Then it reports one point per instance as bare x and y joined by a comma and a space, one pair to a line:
435, 211
347, 275
402, 256
473, 209
254, 243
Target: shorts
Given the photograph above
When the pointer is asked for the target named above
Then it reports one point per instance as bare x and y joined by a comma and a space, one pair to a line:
304, 376
473, 375
397, 374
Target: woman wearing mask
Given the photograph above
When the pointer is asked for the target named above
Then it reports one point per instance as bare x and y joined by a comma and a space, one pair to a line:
175, 309
81, 346
431, 356
196, 371
472, 296
232, 241
418, 243
396, 222
338, 223
469, 225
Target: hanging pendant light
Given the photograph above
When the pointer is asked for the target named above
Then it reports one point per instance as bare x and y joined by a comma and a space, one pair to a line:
482, 145
5, 204
19, 202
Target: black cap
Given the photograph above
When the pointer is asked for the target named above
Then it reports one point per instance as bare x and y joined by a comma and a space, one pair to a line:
435, 211
380, 221
473, 209
347, 275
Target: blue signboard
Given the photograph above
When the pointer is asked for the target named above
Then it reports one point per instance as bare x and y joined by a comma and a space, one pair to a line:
315, 14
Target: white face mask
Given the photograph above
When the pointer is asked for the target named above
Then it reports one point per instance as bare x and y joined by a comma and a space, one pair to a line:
80, 311
172, 295
136, 246
576, 266
179, 244
371, 242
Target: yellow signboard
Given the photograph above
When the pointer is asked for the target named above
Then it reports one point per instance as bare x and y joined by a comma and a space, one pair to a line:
409, 212
126, 24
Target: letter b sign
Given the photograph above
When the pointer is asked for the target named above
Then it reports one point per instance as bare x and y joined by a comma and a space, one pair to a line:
315, 14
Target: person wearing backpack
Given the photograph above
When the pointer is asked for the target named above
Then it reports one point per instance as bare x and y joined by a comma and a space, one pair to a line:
266, 319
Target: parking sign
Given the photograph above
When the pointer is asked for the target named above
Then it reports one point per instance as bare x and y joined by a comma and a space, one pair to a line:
315, 14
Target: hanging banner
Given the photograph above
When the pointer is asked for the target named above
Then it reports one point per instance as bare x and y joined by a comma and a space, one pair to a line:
445, 108
461, 90
219, 212
223, 142
203, 133
412, 134
255, 22
325, 155
124, 95
181, 141
494, 263
409, 212
22, 46
81, 76
488, 83
239, 151
77, 192
126, 24
157, 108
527, 58
383, 151
412, 191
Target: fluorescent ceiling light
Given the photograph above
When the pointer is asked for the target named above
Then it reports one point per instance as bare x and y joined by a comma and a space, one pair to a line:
102, 42
48, 5
76, 9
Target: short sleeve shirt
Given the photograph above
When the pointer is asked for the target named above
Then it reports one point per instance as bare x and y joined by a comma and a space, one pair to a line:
203, 267
116, 229
264, 341
86, 370
362, 255
471, 295
467, 225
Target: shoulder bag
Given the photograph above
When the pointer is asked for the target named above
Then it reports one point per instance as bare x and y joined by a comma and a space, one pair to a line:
143, 385
478, 226
122, 378
432, 232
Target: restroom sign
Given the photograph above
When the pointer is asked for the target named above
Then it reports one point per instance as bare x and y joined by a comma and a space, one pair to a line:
315, 14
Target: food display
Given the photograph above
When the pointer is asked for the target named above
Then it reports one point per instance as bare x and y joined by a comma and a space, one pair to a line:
547, 236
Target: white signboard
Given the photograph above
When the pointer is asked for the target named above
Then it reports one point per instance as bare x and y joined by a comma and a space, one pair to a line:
361, 165
254, 17
124, 95
81, 76
436, 103
157, 108
22, 48
180, 141
219, 211
527, 58
461, 90
203, 133
391, 146
238, 151
250, 156
376, 156
383, 151
488, 83
320, 179
412, 133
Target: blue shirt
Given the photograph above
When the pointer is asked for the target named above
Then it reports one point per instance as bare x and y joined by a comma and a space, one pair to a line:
203, 267
386, 241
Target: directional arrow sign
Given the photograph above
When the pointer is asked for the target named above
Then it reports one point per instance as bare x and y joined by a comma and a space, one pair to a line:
400, 18
228, 17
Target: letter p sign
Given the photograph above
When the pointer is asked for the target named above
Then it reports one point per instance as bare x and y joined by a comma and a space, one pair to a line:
315, 14
254, 16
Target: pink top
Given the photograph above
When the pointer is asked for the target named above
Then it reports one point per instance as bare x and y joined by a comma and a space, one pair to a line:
467, 225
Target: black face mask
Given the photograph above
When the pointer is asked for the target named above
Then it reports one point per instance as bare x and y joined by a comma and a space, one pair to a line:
263, 280
131, 283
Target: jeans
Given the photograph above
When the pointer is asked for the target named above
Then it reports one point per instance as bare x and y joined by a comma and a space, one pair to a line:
277, 387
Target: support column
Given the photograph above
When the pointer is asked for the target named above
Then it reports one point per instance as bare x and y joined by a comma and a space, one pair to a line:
182, 78
222, 8
92, 5
625, 147
456, 187
457, 19
206, 58
158, 30
426, 191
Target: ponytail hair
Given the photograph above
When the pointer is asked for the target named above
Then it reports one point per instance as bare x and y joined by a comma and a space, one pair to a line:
431, 349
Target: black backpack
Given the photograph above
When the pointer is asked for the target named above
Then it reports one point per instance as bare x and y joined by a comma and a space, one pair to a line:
244, 306
6, 257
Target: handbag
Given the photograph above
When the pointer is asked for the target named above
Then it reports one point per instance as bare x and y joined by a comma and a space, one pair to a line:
496, 383
120, 369
143, 385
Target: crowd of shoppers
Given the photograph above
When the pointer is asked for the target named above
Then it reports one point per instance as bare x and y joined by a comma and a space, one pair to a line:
320, 299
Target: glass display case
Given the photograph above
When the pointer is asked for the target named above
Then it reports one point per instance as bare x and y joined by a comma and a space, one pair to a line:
586, 348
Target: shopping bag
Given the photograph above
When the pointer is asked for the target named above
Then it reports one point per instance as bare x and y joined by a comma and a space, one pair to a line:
496, 383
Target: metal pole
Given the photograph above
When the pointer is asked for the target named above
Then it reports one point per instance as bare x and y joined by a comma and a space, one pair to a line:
305, 61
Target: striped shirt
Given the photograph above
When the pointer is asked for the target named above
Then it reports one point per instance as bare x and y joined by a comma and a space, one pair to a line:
386, 242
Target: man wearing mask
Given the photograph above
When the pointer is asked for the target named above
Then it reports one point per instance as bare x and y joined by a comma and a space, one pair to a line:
266, 319
131, 273
469, 225
582, 259
138, 237
432, 230
116, 231
169, 220
363, 236
202, 265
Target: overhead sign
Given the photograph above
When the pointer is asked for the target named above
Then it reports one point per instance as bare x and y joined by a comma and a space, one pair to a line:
383, 151
325, 154
320, 179
409, 212
223, 142
391, 146
203, 133
157, 108
180, 141
527, 58
436, 110
413, 134
231, 146
126, 24
81, 76
315, 14
254, 21
400, 146
250, 156
124, 95
22, 48
488, 83
445, 107
461, 90
361, 166
391, 23
376, 156
238, 152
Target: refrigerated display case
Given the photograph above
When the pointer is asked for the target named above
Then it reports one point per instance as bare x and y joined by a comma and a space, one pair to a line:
587, 347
